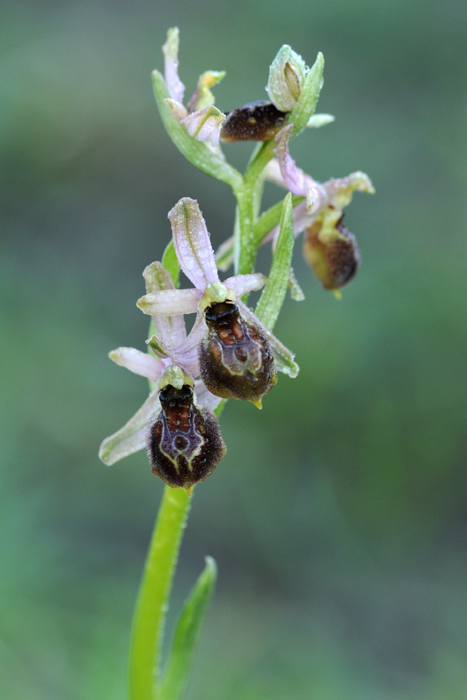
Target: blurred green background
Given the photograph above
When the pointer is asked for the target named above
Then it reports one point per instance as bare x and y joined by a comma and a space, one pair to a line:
338, 517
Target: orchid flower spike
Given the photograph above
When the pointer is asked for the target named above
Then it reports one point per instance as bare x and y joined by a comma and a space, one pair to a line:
201, 119
329, 247
176, 422
236, 353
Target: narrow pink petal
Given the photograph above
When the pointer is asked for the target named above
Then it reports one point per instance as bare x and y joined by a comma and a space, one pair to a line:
195, 336
170, 49
298, 182
272, 173
243, 284
132, 437
139, 362
188, 361
192, 243
170, 302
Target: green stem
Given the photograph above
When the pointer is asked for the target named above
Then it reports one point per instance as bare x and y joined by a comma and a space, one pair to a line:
248, 202
152, 605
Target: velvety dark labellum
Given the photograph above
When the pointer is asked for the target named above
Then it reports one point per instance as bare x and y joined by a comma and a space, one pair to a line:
257, 121
236, 358
336, 261
184, 444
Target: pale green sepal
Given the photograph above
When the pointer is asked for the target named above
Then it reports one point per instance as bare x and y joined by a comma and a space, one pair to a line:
171, 264
306, 104
287, 74
318, 120
269, 219
195, 151
157, 278
187, 634
132, 437
296, 291
274, 292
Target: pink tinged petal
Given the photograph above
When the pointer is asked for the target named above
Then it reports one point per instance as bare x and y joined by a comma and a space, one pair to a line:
315, 198
301, 218
170, 302
187, 354
178, 110
205, 124
139, 362
132, 437
169, 329
195, 336
203, 397
243, 284
170, 49
188, 361
192, 243
298, 182
295, 179
272, 173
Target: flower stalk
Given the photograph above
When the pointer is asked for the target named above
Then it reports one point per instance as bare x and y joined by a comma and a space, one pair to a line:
154, 594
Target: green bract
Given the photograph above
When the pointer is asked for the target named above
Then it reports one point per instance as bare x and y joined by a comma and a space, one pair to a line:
273, 294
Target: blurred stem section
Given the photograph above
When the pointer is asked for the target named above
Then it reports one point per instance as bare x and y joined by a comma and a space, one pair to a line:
153, 599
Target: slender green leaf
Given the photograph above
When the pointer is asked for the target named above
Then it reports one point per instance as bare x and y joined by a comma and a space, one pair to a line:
171, 264
187, 634
195, 151
274, 292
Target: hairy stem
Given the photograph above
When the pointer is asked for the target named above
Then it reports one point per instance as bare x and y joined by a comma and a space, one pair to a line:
248, 207
152, 605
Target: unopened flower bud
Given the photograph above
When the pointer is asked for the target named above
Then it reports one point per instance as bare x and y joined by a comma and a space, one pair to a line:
256, 121
184, 444
286, 76
331, 250
236, 359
